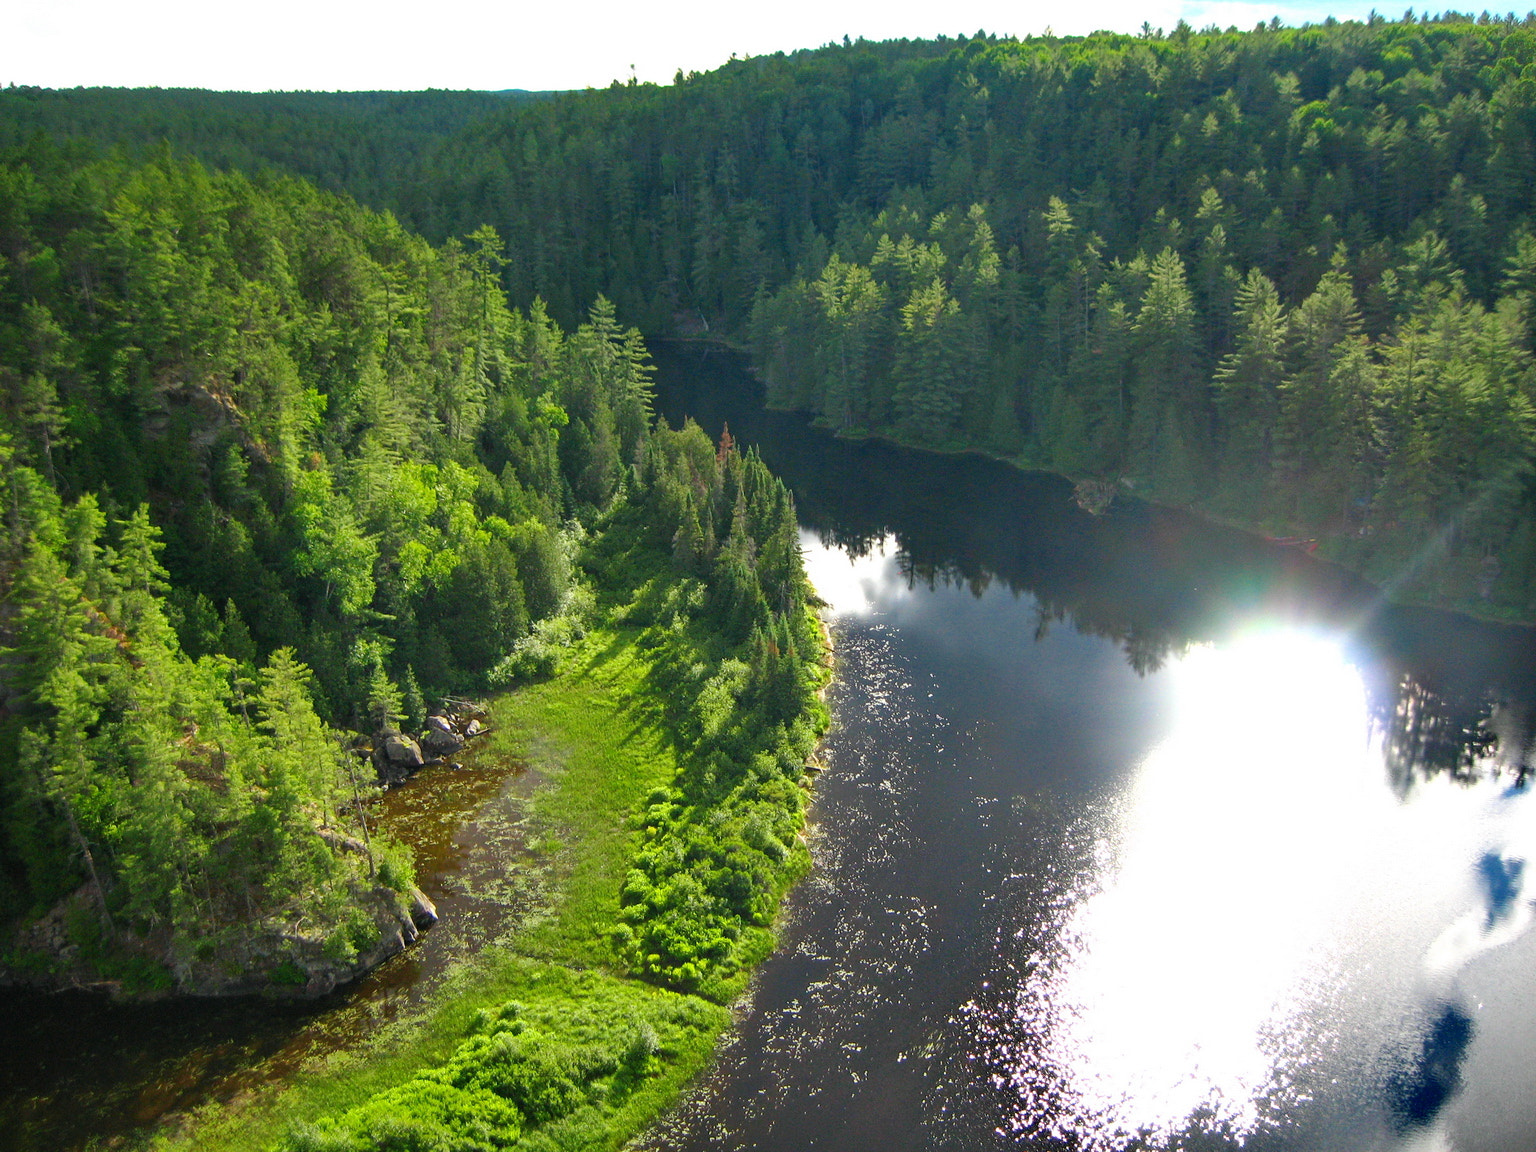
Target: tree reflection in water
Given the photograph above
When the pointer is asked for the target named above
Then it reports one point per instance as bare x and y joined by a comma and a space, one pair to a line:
1460, 713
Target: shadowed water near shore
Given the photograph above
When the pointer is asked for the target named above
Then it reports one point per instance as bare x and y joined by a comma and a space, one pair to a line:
77, 1067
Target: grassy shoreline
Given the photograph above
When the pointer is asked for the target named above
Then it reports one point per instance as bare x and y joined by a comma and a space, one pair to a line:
596, 734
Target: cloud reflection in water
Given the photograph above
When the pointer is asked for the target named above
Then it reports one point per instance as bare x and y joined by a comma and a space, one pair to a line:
1263, 919
853, 585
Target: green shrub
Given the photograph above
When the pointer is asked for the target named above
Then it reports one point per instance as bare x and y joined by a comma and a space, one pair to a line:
736, 665
288, 974
556, 1068
395, 867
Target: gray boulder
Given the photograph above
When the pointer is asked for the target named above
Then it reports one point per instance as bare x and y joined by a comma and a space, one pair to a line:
438, 743
403, 750
423, 911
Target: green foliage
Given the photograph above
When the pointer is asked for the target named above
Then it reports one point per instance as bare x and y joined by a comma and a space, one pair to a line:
374, 480
538, 655
188, 804
563, 1066
594, 732
288, 974
360, 143
348, 438
1043, 248
1212, 290
348, 442
737, 658
1053, 249
394, 865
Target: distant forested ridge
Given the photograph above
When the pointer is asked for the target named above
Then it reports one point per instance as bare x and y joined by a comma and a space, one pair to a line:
365, 144
270, 465
1285, 275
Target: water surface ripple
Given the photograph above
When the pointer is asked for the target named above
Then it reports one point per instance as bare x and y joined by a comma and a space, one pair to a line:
1135, 834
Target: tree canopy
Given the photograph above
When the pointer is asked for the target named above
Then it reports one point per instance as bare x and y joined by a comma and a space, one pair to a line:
275, 465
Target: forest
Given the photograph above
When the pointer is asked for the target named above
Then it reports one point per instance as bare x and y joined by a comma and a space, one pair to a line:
277, 470
1283, 276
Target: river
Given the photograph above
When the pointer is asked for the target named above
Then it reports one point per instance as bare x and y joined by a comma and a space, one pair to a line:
1135, 832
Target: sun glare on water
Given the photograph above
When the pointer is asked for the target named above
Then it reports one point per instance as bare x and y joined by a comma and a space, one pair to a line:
1251, 864
1255, 931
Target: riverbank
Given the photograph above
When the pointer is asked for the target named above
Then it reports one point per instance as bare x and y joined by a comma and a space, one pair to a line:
1421, 573
588, 733
1462, 587
673, 749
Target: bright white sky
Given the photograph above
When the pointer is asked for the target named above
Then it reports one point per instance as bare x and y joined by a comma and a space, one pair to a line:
495, 44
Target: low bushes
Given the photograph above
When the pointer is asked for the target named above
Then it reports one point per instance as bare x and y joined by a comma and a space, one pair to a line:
571, 1062
705, 559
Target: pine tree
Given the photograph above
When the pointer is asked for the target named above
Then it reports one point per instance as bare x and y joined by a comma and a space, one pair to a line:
1168, 415
1247, 383
1319, 426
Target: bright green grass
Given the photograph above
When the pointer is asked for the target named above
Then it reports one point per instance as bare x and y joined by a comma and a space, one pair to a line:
593, 733
580, 1061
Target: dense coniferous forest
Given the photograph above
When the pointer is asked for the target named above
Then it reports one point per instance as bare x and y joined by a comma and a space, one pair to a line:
1284, 275
273, 464
366, 144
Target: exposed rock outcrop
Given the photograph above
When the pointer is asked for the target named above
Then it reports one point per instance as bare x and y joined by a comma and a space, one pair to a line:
404, 751
273, 957
396, 756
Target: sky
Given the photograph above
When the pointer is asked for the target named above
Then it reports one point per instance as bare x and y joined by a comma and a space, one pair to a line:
351, 45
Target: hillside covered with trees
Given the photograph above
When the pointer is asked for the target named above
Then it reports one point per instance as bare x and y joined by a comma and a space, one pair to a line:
1283, 275
277, 468
367, 145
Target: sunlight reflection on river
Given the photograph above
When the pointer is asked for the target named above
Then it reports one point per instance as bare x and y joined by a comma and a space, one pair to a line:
1262, 936
1262, 913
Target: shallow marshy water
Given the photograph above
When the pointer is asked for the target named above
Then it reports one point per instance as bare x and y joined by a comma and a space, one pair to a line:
76, 1067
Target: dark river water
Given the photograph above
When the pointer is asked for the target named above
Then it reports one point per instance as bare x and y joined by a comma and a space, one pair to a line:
1135, 833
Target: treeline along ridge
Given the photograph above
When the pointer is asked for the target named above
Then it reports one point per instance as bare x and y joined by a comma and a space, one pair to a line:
1282, 275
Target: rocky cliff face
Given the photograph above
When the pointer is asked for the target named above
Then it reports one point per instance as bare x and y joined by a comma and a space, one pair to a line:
268, 957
